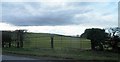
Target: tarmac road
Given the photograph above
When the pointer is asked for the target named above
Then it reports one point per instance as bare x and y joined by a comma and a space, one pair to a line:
8, 57
12, 58
17, 58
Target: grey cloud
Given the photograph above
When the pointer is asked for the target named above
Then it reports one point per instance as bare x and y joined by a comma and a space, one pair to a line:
81, 3
61, 17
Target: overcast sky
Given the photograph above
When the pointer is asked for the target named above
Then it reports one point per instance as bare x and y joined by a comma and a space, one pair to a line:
67, 18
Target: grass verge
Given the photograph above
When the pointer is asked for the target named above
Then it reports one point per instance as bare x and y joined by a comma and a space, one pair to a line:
64, 53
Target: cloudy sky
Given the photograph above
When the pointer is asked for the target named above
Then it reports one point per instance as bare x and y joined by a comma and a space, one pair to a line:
67, 18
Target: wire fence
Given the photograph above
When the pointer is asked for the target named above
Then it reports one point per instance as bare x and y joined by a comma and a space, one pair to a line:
42, 41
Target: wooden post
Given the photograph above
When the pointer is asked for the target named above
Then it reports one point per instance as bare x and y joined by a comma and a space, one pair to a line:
52, 41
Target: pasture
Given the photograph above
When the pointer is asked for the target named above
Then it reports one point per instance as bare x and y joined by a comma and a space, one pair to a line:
42, 40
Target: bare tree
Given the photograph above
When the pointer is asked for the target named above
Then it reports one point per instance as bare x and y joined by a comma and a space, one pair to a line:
114, 39
113, 31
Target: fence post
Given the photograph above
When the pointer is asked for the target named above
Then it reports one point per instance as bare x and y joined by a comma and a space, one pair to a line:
61, 42
52, 41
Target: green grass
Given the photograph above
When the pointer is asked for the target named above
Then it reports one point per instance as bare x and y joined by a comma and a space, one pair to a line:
40, 40
65, 53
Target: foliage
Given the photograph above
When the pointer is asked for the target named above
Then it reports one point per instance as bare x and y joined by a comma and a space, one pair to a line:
6, 38
10, 36
97, 37
114, 38
113, 31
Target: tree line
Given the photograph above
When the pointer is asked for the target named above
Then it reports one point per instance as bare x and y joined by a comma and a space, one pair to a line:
103, 39
17, 36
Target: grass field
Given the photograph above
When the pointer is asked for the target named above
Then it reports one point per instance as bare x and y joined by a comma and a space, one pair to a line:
38, 44
43, 41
